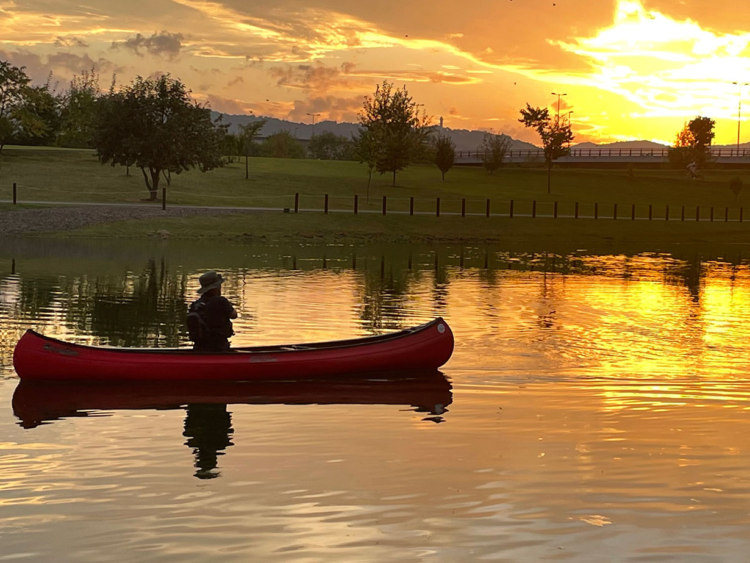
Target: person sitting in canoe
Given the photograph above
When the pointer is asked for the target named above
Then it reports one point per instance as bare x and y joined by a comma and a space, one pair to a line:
209, 317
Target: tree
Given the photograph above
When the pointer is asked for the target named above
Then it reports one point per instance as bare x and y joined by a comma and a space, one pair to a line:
693, 143
395, 129
329, 146
155, 125
493, 151
445, 154
282, 145
78, 110
555, 136
248, 134
365, 150
26, 112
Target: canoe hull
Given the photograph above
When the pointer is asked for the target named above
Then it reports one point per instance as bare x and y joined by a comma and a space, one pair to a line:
427, 346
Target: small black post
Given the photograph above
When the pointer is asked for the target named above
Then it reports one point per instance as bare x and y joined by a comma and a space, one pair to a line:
463, 207
682, 216
666, 214
596, 210
726, 214
697, 213
712, 213
411, 205
632, 213
740, 215
356, 203
385, 205
296, 202
533, 209
14, 193
576, 212
437, 208
325, 204
510, 212
650, 211
614, 212
488, 207
163, 198
555, 211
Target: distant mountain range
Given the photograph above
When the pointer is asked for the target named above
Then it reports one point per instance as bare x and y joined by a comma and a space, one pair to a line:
464, 139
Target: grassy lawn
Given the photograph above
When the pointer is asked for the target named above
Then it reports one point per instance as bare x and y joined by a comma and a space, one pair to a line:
76, 176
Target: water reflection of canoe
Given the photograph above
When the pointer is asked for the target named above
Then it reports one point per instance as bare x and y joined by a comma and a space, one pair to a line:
36, 402
423, 347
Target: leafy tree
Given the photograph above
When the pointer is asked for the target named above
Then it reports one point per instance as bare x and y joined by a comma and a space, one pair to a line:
155, 125
282, 145
248, 133
26, 113
555, 136
445, 154
395, 129
365, 150
493, 151
78, 111
329, 146
693, 143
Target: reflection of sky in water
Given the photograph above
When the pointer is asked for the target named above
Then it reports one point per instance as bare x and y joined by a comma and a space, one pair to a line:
599, 406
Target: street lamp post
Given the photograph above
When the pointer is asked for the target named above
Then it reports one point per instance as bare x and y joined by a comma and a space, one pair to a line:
313, 115
739, 111
558, 102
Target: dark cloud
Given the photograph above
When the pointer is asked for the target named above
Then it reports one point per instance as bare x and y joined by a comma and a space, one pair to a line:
70, 42
316, 77
160, 44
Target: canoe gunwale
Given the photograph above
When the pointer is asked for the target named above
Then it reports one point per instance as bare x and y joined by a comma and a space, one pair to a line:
273, 348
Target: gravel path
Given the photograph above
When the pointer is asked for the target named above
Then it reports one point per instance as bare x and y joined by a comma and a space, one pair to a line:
64, 218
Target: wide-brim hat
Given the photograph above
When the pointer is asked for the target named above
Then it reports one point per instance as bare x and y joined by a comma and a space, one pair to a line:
209, 280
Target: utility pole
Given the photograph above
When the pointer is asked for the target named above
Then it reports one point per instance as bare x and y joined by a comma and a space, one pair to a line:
739, 111
313, 115
558, 103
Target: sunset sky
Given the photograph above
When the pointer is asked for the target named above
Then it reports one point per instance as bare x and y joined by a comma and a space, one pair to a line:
629, 69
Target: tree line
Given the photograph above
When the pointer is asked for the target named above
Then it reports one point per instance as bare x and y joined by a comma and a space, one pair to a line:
154, 125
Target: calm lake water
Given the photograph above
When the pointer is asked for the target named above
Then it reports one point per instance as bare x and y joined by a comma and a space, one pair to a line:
596, 407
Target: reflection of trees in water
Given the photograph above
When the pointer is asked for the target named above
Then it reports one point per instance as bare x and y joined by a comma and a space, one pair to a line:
208, 429
147, 309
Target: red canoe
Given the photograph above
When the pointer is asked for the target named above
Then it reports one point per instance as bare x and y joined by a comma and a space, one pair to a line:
423, 347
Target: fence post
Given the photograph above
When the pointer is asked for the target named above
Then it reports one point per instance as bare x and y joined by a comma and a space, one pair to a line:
163, 198
356, 203
682, 216
296, 202
632, 213
14, 193
325, 205
740, 215
463, 207
614, 213
555, 211
437, 208
488, 207
384, 204
712, 213
576, 213
596, 210
533, 209
697, 213
510, 211
726, 214
666, 214
650, 211
411, 205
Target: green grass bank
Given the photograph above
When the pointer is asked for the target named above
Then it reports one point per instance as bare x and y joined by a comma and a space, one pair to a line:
53, 175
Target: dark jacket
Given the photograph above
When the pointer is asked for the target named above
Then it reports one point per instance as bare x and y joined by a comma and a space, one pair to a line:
215, 311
